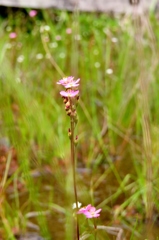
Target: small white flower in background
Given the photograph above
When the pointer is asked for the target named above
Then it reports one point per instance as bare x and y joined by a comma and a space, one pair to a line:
62, 55
43, 29
39, 56
114, 40
74, 205
53, 45
97, 65
46, 28
20, 59
106, 31
109, 71
8, 28
8, 46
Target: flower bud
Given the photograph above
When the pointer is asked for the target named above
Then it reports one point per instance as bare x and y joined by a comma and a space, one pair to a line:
74, 114
76, 119
73, 107
68, 112
65, 100
69, 133
76, 140
67, 105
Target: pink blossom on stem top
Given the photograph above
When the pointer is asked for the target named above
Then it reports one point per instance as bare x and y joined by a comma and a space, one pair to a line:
90, 211
69, 82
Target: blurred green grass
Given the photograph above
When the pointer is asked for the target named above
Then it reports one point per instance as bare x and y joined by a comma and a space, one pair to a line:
106, 53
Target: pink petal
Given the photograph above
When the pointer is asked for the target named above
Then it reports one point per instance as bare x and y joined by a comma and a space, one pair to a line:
64, 94
70, 85
70, 93
69, 82
85, 209
89, 216
88, 207
76, 81
92, 209
99, 210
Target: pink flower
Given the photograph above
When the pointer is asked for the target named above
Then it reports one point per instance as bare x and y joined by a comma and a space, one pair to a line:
84, 209
93, 213
70, 93
65, 80
72, 85
69, 82
68, 30
32, 13
12, 35
90, 211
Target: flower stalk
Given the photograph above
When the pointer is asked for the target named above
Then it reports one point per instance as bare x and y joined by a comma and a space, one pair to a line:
74, 170
91, 212
70, 98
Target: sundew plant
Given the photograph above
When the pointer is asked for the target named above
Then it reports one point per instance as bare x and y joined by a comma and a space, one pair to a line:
70, 98
86, 168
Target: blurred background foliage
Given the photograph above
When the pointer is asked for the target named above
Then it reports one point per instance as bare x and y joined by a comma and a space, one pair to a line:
116, 58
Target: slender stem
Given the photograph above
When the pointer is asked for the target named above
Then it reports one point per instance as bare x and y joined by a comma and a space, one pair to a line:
74, 170
95, 228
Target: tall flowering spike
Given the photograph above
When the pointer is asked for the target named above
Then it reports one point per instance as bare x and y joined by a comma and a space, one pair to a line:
90, 211
70, 98
70, 95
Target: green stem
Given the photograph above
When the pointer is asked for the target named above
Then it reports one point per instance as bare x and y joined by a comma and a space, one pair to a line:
74, 170
95, 228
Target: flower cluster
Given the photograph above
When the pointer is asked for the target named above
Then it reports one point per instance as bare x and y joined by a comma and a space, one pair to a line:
90, 211
70, 95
